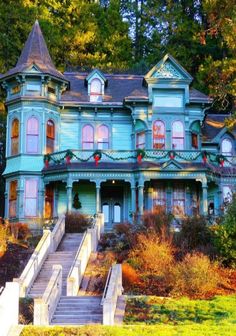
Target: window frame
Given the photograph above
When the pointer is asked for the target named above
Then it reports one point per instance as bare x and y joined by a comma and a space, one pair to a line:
177, 137
139, 144
88, 142
95, 96
15, 138
159, 190
176, 189
35, 197
161, 136
32, 134
221, 145
50, 138
12, 201
102, 142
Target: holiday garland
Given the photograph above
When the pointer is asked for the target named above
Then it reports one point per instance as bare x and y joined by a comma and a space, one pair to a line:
139, 154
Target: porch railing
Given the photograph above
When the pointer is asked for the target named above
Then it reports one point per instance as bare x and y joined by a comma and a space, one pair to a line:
149, 155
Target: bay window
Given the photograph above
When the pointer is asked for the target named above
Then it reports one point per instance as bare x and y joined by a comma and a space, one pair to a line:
103, 137
50, 137
158, 135
32, 136
31, 197
15, 137
177, 135
12, 199
87, 137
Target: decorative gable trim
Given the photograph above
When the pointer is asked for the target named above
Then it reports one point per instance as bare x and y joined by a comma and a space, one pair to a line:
33, 69
168, 69
95, 74
171, 165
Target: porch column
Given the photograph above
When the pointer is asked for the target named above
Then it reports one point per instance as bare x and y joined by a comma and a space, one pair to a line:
41, 194
149, 200
98, 197
204, 199
69, 187
55, 205
140, 199
133, 199
218, 210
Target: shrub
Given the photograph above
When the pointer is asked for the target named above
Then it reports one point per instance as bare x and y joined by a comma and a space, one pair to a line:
195, 276
3, 239
20, 231
26, 310
129, 275
194, 234
225, 235
152, 254
158, 221
76, 222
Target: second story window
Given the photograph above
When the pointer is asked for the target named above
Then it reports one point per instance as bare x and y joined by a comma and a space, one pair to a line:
177, 135
96, 90
194, 140
15, 137
50, 137
103, 137
227, 147
140, 140
32, 136
87, 137
158, 135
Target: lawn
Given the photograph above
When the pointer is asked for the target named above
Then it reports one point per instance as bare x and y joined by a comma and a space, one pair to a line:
162, 317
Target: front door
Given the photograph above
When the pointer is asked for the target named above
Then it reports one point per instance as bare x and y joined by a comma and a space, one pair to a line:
112, 207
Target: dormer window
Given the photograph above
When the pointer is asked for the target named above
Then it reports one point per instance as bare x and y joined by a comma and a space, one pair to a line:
227, 147
96, 90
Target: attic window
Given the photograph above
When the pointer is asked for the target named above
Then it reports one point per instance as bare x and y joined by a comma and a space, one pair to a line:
96, 90
33, 89
51, 90
15, 89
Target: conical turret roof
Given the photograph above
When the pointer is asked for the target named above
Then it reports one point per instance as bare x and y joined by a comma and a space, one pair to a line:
35, 52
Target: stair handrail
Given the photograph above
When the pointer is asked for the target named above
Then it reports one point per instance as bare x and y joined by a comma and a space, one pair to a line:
113, 289
48, 243
45, 307
9, 307
88, 244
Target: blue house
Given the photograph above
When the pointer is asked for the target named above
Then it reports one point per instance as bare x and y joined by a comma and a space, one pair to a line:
113, 143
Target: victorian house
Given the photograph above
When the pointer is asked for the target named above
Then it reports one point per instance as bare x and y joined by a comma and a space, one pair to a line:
113, 143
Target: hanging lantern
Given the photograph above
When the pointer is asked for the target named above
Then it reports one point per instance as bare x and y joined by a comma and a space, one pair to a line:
97, 157
204, 157
46, 160
172, 155
69, 156
140, 155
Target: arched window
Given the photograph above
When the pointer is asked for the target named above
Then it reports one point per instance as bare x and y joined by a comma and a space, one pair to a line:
158, 135
50, 136
177, 135
87, 137
12, 199
227, 147
96, 90
103, 137
32, 136
15, 137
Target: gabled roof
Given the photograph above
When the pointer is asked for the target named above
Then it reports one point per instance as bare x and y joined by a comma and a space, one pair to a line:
35, 53
96, 72
214, 125
168, 68
121, 87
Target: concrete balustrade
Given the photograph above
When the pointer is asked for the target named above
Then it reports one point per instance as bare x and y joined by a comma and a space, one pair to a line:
88, 244
9, 307
112, 290
45, 307
47, 244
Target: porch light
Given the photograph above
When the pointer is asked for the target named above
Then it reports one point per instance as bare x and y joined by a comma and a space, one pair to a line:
113, 181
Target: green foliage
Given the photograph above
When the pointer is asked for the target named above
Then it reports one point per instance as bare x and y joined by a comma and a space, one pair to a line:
225, 235
156, 310
170, 317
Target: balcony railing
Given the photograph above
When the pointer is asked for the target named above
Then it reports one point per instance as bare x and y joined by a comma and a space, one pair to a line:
152, 155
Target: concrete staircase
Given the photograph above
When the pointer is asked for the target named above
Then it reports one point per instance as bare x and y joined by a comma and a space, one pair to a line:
78, 310
63, 256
